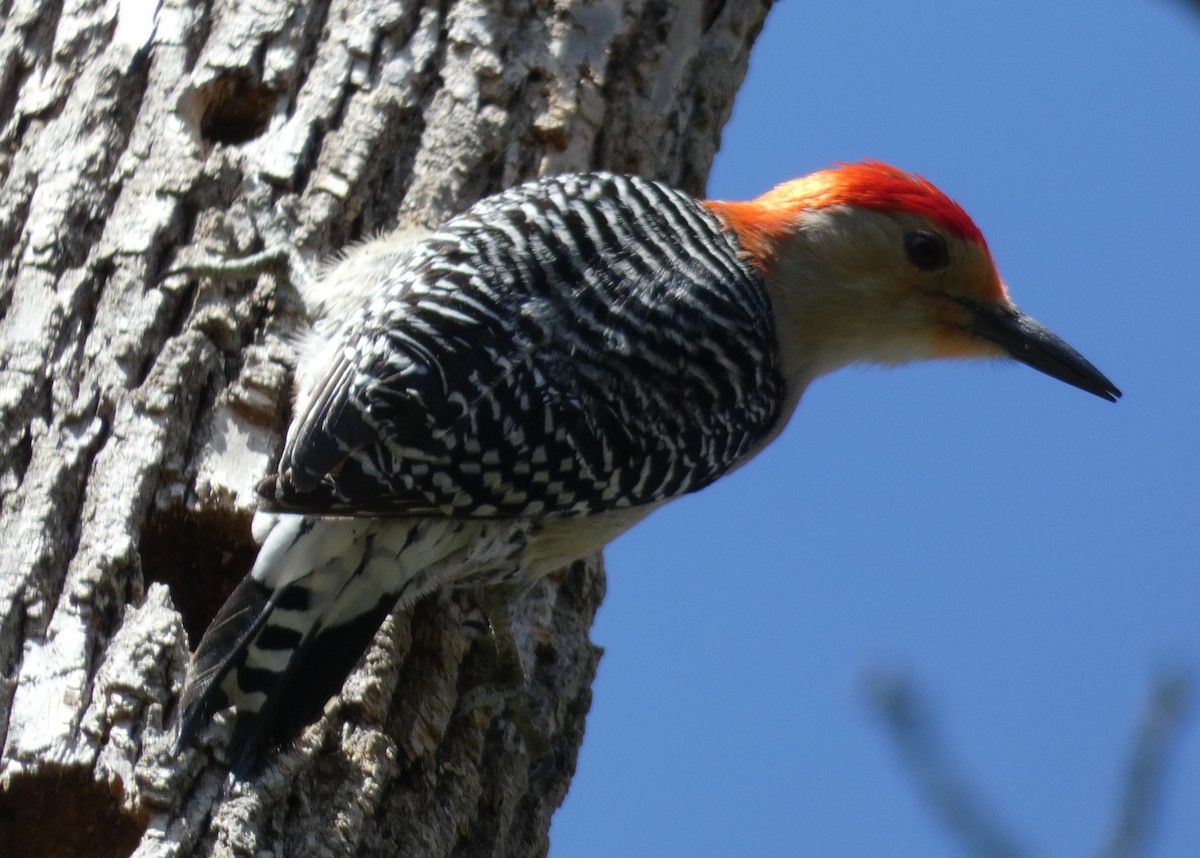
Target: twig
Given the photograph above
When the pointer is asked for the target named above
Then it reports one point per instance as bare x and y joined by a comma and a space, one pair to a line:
1166, 713
927, 760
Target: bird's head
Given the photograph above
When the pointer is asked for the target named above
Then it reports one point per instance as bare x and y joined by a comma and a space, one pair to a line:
868, 264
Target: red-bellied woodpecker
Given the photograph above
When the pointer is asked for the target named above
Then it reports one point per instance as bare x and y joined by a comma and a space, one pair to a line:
495, 399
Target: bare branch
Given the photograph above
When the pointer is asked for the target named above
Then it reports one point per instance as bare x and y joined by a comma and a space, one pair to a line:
1166, 714
923, 751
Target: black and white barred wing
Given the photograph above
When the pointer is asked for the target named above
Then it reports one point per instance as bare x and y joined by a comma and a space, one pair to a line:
578, 344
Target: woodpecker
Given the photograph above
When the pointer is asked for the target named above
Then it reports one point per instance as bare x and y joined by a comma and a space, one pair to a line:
495, 399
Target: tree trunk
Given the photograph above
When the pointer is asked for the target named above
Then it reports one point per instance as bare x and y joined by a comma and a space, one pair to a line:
139, 407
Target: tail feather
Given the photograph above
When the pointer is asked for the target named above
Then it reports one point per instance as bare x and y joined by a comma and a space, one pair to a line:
299, 694
294, 690
224, 642
292, 631
285, 640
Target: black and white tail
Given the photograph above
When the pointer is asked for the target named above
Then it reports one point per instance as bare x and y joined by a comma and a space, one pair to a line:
294, 628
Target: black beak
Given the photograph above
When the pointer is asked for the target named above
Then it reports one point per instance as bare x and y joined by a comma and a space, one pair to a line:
1038, 347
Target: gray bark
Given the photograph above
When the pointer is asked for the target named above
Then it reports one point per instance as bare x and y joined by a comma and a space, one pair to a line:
139, 407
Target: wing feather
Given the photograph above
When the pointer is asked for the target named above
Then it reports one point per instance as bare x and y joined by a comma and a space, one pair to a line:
574, 345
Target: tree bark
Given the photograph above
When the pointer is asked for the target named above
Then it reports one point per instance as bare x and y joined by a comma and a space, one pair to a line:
139, 407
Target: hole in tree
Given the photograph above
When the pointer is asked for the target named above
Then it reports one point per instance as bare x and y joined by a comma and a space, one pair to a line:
200, 556
65, 812
235, 109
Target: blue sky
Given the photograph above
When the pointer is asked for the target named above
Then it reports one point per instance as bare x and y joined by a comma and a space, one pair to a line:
1028, 553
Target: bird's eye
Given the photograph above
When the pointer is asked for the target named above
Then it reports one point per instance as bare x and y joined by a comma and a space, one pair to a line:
927, 250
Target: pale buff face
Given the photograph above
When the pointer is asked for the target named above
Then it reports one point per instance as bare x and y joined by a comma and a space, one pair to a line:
847, 283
